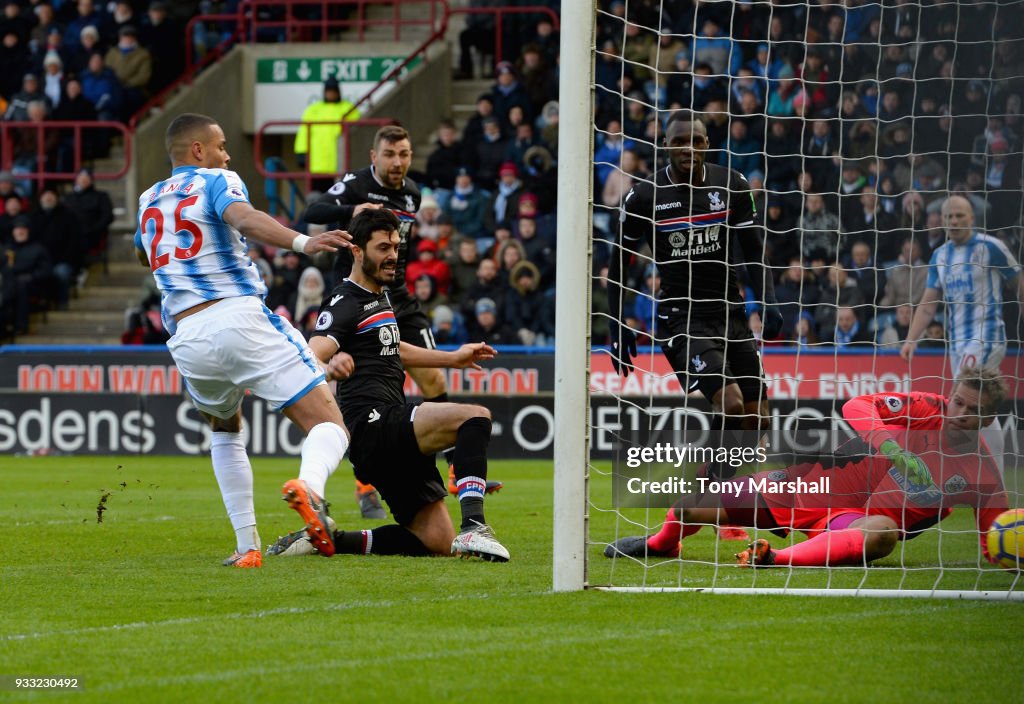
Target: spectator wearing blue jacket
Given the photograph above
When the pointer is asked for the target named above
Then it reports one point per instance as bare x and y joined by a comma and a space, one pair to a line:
466, 208
712, 47
742, 152
101, 87
87, 15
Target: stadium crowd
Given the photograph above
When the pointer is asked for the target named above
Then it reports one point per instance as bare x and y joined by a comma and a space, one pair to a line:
67, 60
482, 259
852, 121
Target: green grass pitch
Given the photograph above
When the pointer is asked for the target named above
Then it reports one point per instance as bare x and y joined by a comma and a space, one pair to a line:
139, 608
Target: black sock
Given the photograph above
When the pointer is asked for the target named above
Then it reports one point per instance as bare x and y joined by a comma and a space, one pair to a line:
386, 540
449, 454
396, 540
470, 461
350, 542
726, 433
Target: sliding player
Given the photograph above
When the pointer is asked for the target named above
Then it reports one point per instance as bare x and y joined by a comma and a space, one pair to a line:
926, 456
393, 442
384, 183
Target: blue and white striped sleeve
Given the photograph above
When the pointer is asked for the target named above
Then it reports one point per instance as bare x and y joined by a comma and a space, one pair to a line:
1002, 260
225, 188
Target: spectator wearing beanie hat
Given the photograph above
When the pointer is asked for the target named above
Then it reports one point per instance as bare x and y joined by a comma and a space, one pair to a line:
427, 262
490, 153
487, 327
504, 203
508, 92
427, 218
529, 207
447, 327
53, 77
466, 208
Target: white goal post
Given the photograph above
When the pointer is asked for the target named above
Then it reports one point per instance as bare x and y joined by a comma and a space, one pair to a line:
572, 353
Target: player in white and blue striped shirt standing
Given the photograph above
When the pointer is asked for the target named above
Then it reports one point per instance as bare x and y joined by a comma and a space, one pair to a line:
968, 272
192, 235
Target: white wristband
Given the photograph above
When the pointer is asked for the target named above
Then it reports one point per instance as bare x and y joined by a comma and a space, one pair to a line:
299, 243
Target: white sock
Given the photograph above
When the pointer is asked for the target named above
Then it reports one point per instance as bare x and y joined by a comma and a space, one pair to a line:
322, 452
993, 434
234, 475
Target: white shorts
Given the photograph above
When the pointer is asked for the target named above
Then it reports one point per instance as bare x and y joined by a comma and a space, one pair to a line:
975, 353
237, 345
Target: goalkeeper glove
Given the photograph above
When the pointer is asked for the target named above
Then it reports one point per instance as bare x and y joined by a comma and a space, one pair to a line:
771, 322
907, 463
300, 159
623, 347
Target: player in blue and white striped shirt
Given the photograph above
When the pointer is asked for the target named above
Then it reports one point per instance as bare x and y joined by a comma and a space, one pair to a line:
968, 272
192, 234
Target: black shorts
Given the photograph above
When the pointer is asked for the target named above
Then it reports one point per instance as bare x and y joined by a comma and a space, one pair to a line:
385, 453
709, 354
414, 325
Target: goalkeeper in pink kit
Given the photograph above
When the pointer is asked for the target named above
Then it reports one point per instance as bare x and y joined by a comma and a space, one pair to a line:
925, 456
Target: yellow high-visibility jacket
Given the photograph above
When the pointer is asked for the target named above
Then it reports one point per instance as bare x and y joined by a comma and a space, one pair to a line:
322, 144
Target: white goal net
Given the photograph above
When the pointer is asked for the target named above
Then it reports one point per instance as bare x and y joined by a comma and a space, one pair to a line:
881, 146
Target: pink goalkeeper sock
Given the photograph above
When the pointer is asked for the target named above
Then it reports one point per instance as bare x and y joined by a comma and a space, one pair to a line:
839, 547
672, 531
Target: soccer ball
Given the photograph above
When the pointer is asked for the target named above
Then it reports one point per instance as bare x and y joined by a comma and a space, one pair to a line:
1005, 539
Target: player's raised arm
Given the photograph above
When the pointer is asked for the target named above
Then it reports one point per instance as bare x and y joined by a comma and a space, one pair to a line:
259, 226
466, 356
878, 417
874, 416
329, 208
332, 207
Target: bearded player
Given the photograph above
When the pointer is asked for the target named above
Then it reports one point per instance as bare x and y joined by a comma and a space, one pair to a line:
923, 454
394, 442
384, 184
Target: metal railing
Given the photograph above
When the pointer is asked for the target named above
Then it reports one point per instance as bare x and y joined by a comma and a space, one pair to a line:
245, 25
60, 130
299, 29
306, 176
192, 69
249, 26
